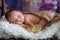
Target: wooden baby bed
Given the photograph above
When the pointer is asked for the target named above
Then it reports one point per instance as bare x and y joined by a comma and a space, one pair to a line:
3, 10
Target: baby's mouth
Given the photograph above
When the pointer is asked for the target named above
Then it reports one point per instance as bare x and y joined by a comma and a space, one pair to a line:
19, 23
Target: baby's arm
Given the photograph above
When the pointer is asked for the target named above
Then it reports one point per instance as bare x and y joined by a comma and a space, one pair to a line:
27, 20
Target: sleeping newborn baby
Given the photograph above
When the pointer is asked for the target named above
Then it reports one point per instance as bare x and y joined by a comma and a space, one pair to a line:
31, 21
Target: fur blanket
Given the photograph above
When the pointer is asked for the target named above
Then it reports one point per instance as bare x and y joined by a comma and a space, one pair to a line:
8, 30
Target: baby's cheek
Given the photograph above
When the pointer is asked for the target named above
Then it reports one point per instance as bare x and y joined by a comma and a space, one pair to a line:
22, 18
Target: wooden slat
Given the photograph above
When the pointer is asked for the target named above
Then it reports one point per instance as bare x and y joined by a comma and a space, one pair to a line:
0, 3
3, 7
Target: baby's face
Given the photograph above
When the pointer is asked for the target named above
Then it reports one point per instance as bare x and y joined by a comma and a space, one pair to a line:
16, 17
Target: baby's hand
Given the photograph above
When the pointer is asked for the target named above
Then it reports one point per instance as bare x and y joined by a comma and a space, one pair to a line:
24, 26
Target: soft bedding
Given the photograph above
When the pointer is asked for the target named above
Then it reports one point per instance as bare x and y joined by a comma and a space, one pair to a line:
8, 30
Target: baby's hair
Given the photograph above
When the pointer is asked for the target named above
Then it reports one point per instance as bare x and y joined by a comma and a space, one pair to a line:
7, 14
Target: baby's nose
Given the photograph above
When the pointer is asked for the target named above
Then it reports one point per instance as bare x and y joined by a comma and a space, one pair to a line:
19, 19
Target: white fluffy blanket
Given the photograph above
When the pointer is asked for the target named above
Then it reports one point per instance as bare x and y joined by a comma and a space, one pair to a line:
8, 30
